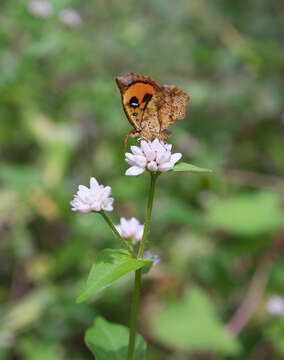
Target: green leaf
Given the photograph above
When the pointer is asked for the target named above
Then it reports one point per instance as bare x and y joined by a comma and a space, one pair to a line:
191, 324
182, 166
109, 341
148, 266
111, 265
247, 214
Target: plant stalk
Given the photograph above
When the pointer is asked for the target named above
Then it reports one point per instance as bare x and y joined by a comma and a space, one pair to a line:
134, 313
138, 273
122, 241
148, 215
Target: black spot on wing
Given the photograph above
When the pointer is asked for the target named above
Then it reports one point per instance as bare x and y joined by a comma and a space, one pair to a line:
134, 102
147, 97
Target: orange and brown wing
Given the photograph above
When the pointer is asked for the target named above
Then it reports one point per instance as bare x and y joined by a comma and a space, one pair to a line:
174, 106
136, 92
150, 127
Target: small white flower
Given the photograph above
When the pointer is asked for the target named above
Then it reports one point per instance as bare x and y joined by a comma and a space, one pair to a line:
130, 229
154, 156
70, 18
155, 258
275, 306
40, 8
95, 198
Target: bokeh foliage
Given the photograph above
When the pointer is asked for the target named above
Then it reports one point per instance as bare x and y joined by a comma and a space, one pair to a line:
61, 121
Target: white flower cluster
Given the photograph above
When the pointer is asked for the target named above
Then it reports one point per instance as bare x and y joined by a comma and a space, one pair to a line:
95, 198
153, 156
130, 229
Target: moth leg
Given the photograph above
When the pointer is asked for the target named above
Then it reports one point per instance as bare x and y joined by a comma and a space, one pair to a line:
132, 133
165, 134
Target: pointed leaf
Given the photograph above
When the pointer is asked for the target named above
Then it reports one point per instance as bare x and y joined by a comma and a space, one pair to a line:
109, 341
182, 166
110, 265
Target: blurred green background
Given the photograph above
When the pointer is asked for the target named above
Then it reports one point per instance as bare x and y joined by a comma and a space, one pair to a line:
220, 236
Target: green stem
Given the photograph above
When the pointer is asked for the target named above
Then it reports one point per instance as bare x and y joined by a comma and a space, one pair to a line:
122, 241
134, 313
148, 215
138, 273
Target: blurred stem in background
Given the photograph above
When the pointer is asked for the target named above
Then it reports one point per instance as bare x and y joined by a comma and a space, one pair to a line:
251, 300
138, 273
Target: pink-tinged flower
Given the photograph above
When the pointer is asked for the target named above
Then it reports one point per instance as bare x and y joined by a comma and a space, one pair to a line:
70, 18
130, 229
154, 258
95, 198
40, 8
275, 306
153, 156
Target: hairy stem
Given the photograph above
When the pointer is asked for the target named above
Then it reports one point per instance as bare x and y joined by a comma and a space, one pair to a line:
148, 215
134, 313
138, 273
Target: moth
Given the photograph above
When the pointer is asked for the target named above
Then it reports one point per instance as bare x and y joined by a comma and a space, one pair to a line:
150, 107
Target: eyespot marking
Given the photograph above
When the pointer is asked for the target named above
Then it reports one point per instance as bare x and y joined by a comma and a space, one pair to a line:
134, 102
